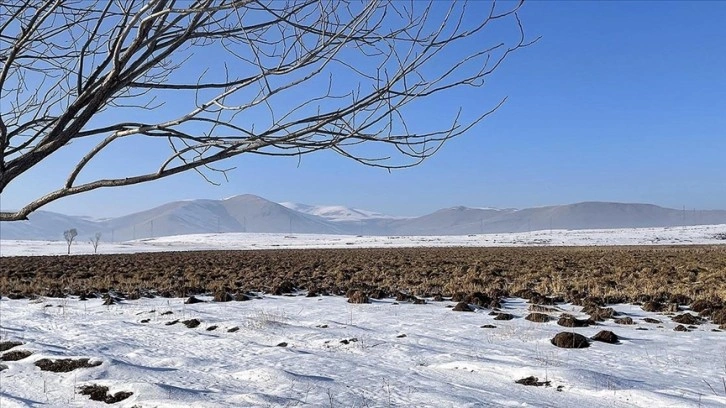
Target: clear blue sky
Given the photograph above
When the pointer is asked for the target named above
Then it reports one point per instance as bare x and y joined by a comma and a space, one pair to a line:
619, 101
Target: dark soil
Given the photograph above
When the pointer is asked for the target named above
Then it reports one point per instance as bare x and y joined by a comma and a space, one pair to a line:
687, 318
624, 320
719, 317
222, 296
701, 305
100, 393
542, 309
651, 320
192, 300
538, 317
533, 381
606, 336
570, 321
358, 297
191, 323
462, 307
16, 355
598, 313
7, 345
590, 273
680, 328
570, 340
503, 316
65, 365
653, 307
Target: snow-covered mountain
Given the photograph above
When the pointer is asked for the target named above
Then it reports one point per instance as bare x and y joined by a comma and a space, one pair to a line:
249, 213
337, 213
46, 225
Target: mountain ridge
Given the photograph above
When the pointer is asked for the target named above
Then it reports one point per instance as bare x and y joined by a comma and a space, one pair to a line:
251, 213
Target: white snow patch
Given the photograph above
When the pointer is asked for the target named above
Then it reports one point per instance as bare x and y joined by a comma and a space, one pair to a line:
694, 235
445, 358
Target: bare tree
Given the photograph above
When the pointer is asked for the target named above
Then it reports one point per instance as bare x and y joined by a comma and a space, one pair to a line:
94, 241
69, 235
213, 79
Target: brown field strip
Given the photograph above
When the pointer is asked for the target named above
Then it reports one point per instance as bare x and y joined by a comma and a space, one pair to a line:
613, 273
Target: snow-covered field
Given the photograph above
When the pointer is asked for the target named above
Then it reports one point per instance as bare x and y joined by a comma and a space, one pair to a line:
706, 234
337, 354
287, 351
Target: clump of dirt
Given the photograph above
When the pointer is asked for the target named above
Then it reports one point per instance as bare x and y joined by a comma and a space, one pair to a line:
533, 381
191, 323
538, 299
16, 355
403, 297
171, 323
687, 318
681, 328
222, 296
358, 297
606, 336
489, 326
624, 320
653, 307
651, 320
542, 309
212, 328
701, 305
462, 307
570, 340
65, 365
719, 317
598, 313
503, 316
100, 393
378, 294
7, 345
233, 329
192, 300
242, 297
538, 317
284, 288
567, 320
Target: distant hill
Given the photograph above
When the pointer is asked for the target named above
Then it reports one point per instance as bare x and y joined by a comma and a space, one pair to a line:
249, 213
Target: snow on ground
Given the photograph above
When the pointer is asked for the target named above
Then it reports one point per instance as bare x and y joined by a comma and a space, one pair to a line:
397, 355
705, 234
